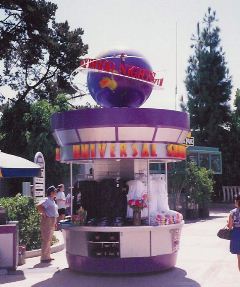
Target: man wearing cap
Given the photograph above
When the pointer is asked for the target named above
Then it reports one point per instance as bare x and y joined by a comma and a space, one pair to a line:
49, 213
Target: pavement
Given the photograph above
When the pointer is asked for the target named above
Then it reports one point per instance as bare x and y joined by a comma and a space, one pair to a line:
203, 260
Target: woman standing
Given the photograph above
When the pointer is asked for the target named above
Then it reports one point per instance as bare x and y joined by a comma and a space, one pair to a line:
234, 225
49, 213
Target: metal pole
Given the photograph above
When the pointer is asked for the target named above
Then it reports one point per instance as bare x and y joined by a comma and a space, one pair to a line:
71, 188
148, 193
166, 176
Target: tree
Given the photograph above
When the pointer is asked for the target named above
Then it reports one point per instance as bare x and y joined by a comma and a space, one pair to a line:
38, 53
230, 149
190, 186
32, 121
208, 85
236, 114
198, 184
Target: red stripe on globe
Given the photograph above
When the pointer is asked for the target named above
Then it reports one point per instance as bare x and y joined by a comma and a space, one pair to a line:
119, 78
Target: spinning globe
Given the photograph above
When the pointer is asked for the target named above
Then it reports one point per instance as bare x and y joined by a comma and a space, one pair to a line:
121, 79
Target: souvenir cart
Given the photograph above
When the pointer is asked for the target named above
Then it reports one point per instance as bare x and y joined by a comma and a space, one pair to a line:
121, 221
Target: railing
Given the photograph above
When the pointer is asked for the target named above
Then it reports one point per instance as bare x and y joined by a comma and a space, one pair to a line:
229, 192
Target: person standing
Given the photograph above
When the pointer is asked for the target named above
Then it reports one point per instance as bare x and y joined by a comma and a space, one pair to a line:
49, 213
234, 225
68, 204
61, 202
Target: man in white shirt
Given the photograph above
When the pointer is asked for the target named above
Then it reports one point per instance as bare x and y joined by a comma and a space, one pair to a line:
61, 202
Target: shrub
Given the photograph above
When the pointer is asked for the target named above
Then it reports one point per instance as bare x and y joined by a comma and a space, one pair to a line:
199, 184
23, 210
196, 182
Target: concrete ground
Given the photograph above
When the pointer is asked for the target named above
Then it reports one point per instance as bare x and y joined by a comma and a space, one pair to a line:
203, 260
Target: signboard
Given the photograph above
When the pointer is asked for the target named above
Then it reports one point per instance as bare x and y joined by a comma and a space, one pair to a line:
39, 182
26, 188
129, 71
124, 150
189, 141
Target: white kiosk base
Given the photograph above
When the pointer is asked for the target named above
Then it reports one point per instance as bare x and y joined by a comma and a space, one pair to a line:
122, 249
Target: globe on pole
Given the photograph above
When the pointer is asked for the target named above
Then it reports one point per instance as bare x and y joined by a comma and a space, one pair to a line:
120, 79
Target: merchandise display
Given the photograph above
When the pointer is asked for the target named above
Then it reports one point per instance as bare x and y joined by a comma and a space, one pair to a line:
136, 191
165, 218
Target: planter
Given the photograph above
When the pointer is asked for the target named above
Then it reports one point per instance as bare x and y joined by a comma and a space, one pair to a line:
191, 213
203, 212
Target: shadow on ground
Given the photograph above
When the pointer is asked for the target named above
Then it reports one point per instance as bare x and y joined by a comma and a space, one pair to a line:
175, 277
211, 217
217, 211
12, 276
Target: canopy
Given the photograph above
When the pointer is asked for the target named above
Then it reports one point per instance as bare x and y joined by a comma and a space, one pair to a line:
15, 166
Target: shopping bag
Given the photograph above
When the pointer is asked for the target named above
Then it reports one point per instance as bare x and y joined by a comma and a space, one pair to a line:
224, 233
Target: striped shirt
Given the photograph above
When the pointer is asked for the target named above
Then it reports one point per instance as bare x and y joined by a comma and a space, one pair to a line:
235, 213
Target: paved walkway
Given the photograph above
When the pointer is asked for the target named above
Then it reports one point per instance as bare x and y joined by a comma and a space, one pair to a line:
203, 261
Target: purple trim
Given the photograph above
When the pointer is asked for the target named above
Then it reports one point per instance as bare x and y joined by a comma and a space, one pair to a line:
15, 248
7, 229
127, 141
87, 118
121, 265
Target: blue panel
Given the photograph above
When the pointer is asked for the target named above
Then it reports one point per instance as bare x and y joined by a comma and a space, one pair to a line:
20, 172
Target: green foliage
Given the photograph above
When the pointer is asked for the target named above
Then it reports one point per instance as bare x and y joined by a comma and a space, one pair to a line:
230, 148
37, 57
40, 138
13, 128
237, 103
198, 184
23, 210
38, 53
208, 85
27, 127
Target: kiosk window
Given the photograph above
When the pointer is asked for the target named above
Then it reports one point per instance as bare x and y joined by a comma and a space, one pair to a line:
156, 168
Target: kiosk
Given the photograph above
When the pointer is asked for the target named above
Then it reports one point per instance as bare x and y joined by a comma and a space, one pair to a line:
118, 143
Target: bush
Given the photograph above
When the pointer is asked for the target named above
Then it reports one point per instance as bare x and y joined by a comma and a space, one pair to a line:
199, 184
23, 210
195, 185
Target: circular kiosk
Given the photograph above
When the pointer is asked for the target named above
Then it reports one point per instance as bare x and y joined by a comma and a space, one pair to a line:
129, 227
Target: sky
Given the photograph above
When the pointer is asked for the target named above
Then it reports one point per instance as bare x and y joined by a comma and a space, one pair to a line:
161, 30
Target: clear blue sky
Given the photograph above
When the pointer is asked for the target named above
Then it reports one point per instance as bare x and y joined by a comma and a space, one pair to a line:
149, 26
